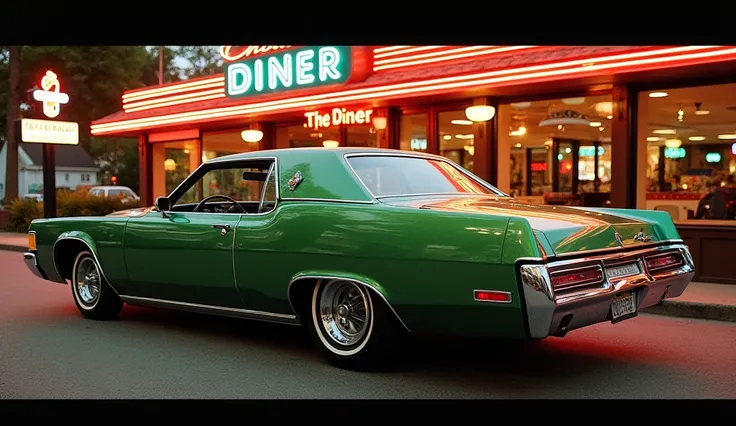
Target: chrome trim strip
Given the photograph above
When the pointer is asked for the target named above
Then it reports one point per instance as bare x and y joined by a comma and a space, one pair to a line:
610, 249
328, 200
505, 293
462, 171
210, 309
600, 255
336, 277
99, 265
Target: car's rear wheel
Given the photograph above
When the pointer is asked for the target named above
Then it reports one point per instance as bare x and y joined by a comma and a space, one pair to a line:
93, 296
353, 328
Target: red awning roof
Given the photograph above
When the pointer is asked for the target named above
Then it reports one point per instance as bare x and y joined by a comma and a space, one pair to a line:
538, 56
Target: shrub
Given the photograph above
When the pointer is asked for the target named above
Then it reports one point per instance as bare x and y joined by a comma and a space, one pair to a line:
68, 204
21, 212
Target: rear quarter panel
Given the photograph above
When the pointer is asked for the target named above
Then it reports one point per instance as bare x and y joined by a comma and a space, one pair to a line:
104, 236
427, 263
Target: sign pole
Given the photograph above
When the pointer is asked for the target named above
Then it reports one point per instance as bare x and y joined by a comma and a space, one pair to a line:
49, 180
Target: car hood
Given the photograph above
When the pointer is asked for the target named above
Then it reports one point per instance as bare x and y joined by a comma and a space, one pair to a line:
564, 229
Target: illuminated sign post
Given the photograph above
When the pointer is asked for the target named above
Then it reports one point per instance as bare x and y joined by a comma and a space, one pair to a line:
49, 133
257, 70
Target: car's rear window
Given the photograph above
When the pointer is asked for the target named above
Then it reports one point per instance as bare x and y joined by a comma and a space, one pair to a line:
387, 175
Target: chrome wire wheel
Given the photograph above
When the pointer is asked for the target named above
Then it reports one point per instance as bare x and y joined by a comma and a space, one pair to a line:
345, 312
87, 282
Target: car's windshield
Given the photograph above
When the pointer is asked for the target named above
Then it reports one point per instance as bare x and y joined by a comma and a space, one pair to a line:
388, 175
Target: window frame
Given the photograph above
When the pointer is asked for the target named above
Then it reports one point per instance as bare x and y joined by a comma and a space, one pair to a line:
224, 163
495, 191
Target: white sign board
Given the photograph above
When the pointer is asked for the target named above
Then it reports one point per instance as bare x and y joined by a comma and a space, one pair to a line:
47, 131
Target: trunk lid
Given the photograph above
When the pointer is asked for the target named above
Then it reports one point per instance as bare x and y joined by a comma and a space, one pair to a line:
565, 229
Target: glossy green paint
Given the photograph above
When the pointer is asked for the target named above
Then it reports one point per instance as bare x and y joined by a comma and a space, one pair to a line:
424, 254
182, 257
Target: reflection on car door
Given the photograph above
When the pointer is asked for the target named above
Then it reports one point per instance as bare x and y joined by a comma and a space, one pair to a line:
184, 257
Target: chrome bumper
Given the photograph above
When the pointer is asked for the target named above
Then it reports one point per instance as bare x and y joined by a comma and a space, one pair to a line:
32, 264
551, 314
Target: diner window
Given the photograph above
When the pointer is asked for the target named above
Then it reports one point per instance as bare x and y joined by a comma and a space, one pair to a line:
172, 163
456, 138
560, 149
413, 132
297, 136
691, 151
219, 144
361, 135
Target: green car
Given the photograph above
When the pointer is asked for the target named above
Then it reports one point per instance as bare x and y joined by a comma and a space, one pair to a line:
363, 246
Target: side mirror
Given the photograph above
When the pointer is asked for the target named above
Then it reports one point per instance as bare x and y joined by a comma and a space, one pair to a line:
163, 204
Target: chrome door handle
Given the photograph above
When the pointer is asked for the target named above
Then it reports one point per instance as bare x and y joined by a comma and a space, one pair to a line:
223, 228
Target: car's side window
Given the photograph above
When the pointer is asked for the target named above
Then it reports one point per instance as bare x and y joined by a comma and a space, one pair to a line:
115, 193
268, 198
246, 185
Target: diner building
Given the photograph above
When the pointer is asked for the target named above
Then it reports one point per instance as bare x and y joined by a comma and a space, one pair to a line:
649, 127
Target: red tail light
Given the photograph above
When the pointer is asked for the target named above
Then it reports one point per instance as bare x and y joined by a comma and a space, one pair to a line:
663, 261
492, 296
574, 278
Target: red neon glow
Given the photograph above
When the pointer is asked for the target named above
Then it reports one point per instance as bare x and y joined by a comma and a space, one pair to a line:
200, 93
380, 52
234, 53
539, 167
565, 167
135, 95
51, 96
636, 61
317, 120
442, 56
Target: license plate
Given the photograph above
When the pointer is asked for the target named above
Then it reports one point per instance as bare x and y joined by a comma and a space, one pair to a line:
622, 270
623, 307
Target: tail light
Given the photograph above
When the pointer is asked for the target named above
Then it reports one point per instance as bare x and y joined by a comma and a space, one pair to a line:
663, 261
571, 278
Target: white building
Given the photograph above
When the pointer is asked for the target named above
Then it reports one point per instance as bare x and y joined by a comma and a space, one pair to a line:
74, 166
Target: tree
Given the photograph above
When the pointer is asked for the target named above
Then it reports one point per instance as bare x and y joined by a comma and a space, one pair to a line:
94, 77
12, 111
117, 157
172, 73
201, 60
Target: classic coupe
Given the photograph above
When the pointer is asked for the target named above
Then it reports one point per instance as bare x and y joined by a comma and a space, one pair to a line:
363, 246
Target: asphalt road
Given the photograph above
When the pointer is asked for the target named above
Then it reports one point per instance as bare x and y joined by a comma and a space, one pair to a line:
47, 350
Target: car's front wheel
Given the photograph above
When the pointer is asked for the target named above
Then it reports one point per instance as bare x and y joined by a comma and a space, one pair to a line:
93, 296
354, 328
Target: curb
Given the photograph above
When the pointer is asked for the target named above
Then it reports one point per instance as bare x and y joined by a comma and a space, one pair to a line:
715, 312
11, 247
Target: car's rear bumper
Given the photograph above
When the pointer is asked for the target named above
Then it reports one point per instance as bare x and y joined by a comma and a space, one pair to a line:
550, 314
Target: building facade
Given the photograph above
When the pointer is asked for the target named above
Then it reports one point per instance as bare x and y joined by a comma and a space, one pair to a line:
648, 127
74, 168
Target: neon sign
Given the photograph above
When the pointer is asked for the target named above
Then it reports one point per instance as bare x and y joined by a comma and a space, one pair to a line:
51, 95
589, 151
294, 69
675, 153
336, 117
235, 53
418, 144
713, 157
539, 167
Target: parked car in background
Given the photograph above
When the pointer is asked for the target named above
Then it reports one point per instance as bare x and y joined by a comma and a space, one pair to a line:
37, 197
362, 246
123, 192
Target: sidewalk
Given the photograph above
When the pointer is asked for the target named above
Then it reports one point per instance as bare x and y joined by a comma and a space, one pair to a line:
700, 300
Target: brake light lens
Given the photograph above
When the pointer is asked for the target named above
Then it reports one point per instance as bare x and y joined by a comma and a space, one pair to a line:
577, 277
661, 262
32, 241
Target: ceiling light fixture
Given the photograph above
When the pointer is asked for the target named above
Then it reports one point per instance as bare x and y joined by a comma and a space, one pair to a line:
480, 113
727, 137
672, 143
696, 138
658, 95
609, 117
702, 112
573, 101
251, 135
447, 137
462, 122
664, 132
330, 144
653, 139
595, 124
